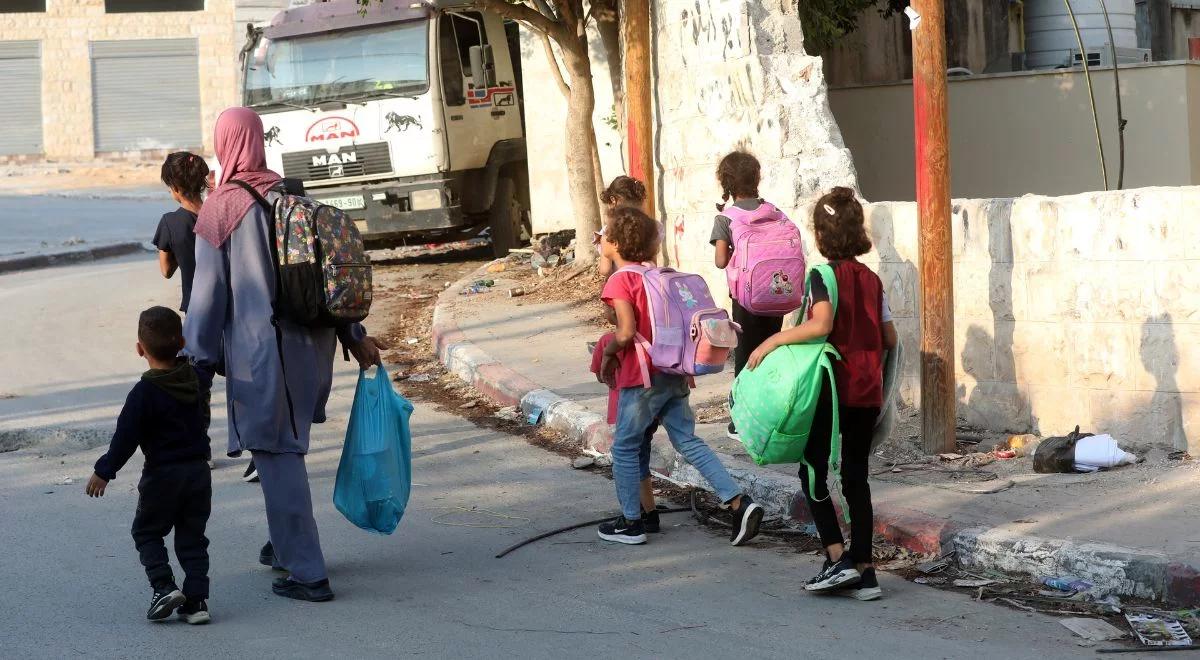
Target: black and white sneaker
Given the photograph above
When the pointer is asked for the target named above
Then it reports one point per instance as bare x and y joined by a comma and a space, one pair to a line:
838, 576
651, 522
250, 476
731, 432
623, 531
746, 518
164, 601
194, 612
867, 588
817, 578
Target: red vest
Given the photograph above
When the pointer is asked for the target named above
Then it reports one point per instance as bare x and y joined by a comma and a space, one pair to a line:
858, 335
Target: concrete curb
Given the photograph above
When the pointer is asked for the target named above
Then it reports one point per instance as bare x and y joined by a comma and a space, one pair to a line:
67, 257
1116, 570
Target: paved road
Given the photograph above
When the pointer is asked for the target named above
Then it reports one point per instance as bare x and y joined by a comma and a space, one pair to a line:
44, 223
72, 585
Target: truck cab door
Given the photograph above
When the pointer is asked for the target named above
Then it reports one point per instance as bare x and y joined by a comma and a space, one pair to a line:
478, 113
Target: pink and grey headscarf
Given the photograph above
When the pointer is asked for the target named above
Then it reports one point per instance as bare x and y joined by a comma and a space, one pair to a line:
240, 150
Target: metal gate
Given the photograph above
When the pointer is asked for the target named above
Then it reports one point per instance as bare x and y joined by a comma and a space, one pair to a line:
21, 100
146, 94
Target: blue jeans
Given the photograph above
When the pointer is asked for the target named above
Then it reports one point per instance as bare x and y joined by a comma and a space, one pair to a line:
637, 407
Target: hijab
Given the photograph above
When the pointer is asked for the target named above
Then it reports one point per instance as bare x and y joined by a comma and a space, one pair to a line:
240, 150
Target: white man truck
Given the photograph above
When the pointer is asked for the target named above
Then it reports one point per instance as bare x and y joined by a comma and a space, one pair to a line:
407, 116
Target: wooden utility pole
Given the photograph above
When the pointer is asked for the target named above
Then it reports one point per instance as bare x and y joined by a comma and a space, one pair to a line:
635, 35
938, 418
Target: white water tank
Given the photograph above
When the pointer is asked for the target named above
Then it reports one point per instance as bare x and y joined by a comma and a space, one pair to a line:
1050, 39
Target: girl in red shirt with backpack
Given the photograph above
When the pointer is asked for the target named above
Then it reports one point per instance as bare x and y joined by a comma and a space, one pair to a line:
861, 330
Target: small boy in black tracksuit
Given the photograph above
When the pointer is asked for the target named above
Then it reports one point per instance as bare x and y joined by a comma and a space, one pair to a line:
165, 415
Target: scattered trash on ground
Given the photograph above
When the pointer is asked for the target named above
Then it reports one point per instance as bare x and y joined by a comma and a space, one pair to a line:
412, 340
1156, 631
419, 378
478, 286
65, 481
1096, 630
498, 267
1067, 584
1099, 452
1080, 452
583, 462
972, 584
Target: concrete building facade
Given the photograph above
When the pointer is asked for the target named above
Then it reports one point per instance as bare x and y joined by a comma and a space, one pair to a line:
103, 78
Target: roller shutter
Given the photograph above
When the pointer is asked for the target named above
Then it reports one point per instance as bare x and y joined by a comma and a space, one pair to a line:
146, 94
21, 100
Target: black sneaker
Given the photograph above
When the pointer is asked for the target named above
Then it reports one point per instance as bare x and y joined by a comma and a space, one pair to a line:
731, 432
266, 557
194, 612
824, 567
623, 531
746, 519
651, 522
250, 476
838, 576
164, 601
867, 588
316, 592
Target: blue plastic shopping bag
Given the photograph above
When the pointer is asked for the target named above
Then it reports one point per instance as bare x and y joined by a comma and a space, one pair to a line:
375, 475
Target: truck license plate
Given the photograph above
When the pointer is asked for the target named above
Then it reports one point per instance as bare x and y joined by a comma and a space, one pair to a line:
348, 203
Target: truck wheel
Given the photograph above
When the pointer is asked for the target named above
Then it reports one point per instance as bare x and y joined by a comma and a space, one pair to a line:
505, 218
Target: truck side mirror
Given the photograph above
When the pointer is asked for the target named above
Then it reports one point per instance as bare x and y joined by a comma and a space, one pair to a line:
478, 75
489, 66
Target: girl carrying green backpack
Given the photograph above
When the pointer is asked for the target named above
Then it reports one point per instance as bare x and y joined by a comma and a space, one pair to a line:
812, 394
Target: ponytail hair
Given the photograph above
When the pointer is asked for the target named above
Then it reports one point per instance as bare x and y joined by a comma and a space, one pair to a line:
739, 174
186, 173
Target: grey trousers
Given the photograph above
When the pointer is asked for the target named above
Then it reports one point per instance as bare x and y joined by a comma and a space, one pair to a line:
290, 519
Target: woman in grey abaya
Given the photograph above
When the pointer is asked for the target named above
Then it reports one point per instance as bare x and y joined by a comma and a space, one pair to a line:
229, 329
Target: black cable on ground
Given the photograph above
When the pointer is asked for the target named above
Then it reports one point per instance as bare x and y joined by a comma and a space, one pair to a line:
569, 528
702, 517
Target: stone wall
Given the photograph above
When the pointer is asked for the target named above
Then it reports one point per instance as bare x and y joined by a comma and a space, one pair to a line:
65, 31
733, 75
1068, 310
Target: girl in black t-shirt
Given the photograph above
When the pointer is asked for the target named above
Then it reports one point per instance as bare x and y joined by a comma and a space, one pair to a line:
186, 176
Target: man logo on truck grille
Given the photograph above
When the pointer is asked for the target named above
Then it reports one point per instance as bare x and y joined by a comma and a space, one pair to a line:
336, 171
331, 128
401, 122
335, 159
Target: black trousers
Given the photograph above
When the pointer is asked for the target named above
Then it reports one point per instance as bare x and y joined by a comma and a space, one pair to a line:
857, 426
175, 496
755, 330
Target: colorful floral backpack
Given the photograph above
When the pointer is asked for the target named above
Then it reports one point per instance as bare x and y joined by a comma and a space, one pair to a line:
691, 335
322, 272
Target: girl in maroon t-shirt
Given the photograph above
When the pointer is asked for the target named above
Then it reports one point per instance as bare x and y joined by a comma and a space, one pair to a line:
861, 330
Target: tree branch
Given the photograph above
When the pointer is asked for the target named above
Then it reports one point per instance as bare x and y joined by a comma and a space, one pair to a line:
525, 14
553, 60
543, 7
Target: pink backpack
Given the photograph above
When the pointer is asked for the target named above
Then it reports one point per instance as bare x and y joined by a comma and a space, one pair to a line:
766, 272
692, 336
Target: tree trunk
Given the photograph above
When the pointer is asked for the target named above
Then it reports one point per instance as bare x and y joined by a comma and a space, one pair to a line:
581, 181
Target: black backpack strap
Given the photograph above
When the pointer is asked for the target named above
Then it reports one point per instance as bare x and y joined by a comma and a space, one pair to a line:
274, 248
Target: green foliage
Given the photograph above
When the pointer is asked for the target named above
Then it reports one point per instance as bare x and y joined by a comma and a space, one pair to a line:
827, 21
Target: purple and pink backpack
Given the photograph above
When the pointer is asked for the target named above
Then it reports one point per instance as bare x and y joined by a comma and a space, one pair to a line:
691, 335
767, 270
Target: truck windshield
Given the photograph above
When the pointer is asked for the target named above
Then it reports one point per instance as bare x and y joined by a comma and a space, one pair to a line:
355, 64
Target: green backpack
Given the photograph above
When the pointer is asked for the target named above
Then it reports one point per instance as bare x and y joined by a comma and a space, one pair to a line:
774, 405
